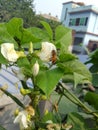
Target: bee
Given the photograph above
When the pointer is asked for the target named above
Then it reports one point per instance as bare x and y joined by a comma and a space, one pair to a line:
53, 56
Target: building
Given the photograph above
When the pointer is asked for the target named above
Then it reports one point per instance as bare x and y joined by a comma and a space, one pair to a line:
84, 20
50, 17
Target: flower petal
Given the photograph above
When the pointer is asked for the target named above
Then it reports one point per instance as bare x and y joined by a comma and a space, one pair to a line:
46, 51
35, 69
7, 50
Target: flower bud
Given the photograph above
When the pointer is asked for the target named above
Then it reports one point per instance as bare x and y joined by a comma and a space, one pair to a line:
46, 112
25, 91
16, 112
35, 69
20, 54
43, 97
31, 47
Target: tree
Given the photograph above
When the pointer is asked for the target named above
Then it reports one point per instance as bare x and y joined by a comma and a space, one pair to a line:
17, 8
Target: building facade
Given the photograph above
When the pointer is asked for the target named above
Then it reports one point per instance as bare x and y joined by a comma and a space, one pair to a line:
84, 20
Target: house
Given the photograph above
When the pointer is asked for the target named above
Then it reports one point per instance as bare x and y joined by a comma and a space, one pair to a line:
84, 20
50, 17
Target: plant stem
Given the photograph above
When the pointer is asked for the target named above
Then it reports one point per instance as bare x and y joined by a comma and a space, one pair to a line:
78, 102
59, 99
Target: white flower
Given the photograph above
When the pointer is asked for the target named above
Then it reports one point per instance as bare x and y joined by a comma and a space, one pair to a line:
46, 51
22, 120
7, 50
35, 69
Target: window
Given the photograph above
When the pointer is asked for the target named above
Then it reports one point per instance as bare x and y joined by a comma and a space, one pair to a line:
72, 22
78, 40
83, 21
86, 21
77, 21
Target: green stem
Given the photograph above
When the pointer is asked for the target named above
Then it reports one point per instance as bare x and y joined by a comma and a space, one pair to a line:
59, 99
88, 110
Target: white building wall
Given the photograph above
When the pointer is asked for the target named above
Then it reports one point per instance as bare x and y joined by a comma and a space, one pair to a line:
89, 37
92, 23
65, 9
96, 26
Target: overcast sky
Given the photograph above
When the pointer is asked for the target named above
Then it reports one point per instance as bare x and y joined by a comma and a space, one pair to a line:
55, 6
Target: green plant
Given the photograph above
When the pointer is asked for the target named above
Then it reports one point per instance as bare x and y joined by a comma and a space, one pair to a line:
56, 74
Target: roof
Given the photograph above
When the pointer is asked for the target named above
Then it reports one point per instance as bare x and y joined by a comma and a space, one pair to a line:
78, 3
89, 8
9, 80
49, 16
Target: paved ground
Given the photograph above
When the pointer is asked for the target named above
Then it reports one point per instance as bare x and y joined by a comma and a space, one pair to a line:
7, 108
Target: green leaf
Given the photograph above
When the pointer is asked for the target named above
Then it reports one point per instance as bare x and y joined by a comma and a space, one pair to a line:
47, 117
24, 63
20, 34
14, 27
76, 121
28, 37
13, 98
1, 128
39, 33
92, 99
47, 80
63, 36
5, 37
92, 129
64, 104
75, 66
78, 78
68, 78
48, 29
63, 57
93, 57
95, 79
94, 68
3, 60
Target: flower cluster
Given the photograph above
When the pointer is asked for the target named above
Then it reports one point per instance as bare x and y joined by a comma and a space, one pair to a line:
11, 55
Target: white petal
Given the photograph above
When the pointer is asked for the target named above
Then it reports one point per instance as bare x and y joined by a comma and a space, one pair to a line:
35, 69
18, 118
46, 51
24, 121
7, 50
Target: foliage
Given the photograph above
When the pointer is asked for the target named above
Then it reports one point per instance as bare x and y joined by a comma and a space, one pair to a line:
93, 61
18, 8
43, 56
24, 9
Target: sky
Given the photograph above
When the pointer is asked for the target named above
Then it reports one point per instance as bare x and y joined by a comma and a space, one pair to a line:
54, 7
